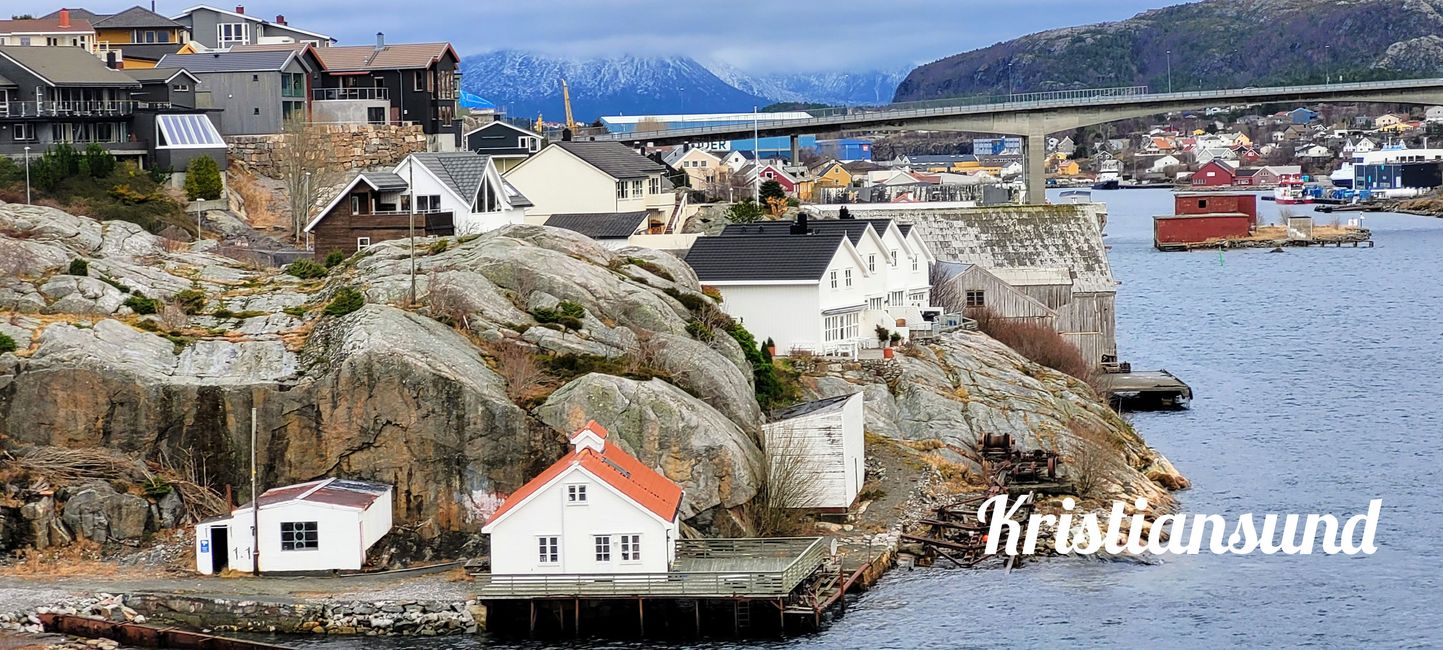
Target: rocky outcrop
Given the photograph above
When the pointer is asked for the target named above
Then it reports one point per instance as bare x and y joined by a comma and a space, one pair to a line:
100, 514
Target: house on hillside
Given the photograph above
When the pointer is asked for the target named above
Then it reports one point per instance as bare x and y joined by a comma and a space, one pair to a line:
138, 37
612, 230
1055, 254
704, 170
415, 83
174, 86
1215, 173
1388, 121
216, 28
977, 288
1162, 163
64, 28
821, 443
1302, 116
504, 142
597, 510
313, 527
595, 178
832, 174
65, 94
257, 92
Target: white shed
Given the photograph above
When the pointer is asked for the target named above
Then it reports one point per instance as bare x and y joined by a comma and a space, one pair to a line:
598, 510
324, 525
822, 442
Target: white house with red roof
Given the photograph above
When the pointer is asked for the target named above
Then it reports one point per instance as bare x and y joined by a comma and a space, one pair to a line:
318, 526
598, 510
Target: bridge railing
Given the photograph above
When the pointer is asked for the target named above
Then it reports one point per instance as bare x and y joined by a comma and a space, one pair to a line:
987, 100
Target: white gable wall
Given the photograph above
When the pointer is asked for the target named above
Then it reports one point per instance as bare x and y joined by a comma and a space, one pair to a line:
343, 536
515, 539
467, 222
558, 182
789, 314
830, 446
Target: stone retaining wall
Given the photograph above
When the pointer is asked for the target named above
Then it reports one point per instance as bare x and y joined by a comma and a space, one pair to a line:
383, 618
341, 146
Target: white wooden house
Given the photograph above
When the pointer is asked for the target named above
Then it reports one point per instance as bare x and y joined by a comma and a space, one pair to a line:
593, 178
598, 510
324, 525
822, 442
466, 184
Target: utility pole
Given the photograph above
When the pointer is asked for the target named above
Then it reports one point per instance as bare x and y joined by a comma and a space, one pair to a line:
411, 224
1327, 61
1169, 71
255, 505
756, 158
27, 175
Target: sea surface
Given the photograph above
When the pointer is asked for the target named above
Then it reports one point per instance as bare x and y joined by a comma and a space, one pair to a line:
1317, 388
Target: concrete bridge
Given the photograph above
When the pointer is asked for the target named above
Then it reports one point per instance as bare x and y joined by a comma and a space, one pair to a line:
1036, 115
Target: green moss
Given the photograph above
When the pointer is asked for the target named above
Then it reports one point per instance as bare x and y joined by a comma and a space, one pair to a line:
139, 304
346, 300
78, 267
439, 247
650, 267
7, 344
191, 301
297, 311
223, 313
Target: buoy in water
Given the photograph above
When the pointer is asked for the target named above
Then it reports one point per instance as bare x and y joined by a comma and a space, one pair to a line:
1277, 249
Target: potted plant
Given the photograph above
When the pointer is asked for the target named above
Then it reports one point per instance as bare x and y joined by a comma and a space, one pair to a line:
882, 333
896, 338
771, 347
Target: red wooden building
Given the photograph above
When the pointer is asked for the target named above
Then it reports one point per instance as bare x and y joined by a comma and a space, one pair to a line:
1215, 173
1217, 203
1177, 231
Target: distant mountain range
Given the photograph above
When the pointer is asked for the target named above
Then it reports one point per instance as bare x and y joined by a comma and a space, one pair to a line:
1213, 44
525, 84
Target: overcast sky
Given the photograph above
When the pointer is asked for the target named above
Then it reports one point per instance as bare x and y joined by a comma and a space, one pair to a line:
755, 35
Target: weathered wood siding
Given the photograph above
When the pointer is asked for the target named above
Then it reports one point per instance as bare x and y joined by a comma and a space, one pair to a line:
1000, 297
340, 228
1052, 295
1089, 323
825, 451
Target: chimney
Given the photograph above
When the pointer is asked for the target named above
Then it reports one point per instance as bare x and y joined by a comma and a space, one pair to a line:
799, 227
65, 18
111, 61
380, 40
844, 213
280, 20
240, 9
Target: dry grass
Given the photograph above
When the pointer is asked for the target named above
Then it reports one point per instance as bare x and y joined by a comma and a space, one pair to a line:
58, 465
518, 367
1038, 342
256, 200
1092, 461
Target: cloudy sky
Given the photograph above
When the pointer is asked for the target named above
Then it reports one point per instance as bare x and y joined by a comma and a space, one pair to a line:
755, 35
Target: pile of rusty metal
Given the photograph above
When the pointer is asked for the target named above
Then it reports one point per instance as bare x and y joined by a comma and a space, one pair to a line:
955, 534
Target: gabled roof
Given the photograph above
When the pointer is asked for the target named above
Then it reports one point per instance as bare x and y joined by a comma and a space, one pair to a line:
612, 158
459, 171
158, 74
75, 14
134, 18
66, 66
765, 258
640, 484
378, 181
353, 495
812, 408
45, 26
506, 124
600, 225
249, 18
213, 62
402, 56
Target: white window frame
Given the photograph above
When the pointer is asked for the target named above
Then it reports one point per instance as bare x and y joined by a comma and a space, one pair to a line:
973, 298
894, 258
621, 188
833, 275
871, 262
362, 243
222, 40
896, 298
630, 548
637, 188
840, 327
23, 131
914, 262
655, 184
548, 550
295, 542
576, 494
874, 304
848, 275
601, 544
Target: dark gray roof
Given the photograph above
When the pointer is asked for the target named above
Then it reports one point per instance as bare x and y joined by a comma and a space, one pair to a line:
763, 257
150, 51
854, 228
153, 74
67, 66
614, 158
77, 14
600, 225
809, 408
461, 171
386, 181
227, 61
132, 18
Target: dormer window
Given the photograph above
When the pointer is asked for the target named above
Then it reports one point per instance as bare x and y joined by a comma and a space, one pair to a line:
575, 495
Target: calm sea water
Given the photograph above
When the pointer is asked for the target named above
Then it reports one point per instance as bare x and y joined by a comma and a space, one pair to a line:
1317, 381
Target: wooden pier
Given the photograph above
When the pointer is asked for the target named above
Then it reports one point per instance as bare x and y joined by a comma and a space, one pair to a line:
1146, 389
717, 587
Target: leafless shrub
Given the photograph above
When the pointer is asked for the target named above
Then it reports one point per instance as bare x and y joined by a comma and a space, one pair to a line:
57, 465
518, 367
446, 301
1093, 459
173, 317
647, 358
788, 476
1035, 340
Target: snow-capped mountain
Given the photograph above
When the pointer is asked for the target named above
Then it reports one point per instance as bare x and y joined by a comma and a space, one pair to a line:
524, 84
847, 88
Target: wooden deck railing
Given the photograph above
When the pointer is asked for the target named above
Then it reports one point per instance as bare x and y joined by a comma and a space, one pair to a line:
804, 555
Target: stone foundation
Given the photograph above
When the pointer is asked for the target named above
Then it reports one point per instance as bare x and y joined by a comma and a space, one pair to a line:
341, 146
382, 618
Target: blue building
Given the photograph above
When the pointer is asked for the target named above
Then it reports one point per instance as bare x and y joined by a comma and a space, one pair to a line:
1006, 146
770, 147
1302, 116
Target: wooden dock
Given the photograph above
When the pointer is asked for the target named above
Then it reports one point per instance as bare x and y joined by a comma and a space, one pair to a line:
1146, 389
717, 587
146, 636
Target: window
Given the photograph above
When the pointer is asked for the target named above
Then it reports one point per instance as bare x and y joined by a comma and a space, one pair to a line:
871, 261
975, 298
631, 548
896, 299
848, 276
575, 494
603, 548
486, 200
24, 131
376, 114
874, 303
181, 88
355, 204
362, 243
917, 298
548, 550
621, 187
894, 258
840, 327
256, 111
52, 42
636, 188
656, 185
24, 40
428, 202
229, 34
419, 80
299, 536
1202, 203
833, 275
255, 77
914, 262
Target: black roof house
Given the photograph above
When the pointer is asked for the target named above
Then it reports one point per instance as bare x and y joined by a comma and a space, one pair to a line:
613, 158
762, 258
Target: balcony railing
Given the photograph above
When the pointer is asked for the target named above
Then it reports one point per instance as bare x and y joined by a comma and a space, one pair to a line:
341, 94
104, 108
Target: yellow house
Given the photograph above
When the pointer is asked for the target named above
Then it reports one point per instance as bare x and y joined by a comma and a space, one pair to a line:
1387, 121
833, 174
140, 36
1067, 168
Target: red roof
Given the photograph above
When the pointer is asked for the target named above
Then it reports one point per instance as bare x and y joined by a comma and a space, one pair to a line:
338, 492
620, 470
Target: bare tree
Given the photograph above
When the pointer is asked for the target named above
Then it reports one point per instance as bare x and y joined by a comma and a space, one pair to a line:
1092, 460
788, 476
518, 367
305, 169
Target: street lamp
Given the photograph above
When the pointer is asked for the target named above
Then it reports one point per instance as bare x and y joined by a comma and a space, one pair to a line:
1011, 85
1327, 60
1169, 71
